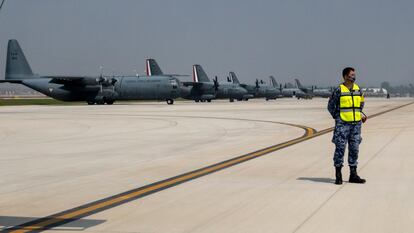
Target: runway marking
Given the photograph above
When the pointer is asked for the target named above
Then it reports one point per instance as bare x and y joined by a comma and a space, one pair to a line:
119, 199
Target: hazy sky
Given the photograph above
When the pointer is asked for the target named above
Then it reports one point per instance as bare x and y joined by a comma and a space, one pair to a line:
310, 40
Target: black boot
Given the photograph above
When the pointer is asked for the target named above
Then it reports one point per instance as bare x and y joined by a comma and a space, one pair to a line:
338, 175
353, 176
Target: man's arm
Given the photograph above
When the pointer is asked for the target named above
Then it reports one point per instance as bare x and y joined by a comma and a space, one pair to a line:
362, 101
333, 103
364, 117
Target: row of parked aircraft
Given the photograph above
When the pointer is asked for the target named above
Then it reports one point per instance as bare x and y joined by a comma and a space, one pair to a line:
154, 86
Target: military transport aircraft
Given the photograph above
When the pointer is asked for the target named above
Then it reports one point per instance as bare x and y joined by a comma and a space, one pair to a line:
224, 90
100, 89
320, 92
251, 89
259, 90
201, 89
290, 91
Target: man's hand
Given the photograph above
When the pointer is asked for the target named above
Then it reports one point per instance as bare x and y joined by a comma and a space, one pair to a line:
364, 118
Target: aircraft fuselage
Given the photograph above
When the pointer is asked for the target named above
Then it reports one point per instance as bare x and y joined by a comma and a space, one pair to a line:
125, 88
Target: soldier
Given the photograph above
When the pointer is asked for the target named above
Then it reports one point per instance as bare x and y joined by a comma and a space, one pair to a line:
345, 106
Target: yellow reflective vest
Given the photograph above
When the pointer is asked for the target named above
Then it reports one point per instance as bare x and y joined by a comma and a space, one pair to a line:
350, 103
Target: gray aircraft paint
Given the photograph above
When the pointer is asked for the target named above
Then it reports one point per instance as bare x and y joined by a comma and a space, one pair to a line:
291, 91
198, 91
98, 89
320, 92
258, 90
152, 67
268, 91
224, 90
296, 92
202, 88
251, 89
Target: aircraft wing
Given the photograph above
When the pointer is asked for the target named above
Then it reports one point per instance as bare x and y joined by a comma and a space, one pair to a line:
72, 80
11, 81
194, 84
66, 80
176, 75
198, 84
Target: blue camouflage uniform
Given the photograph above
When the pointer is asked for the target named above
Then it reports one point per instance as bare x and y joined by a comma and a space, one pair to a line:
344, 133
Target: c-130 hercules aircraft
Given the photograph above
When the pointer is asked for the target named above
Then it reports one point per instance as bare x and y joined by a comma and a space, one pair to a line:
93, 90
201, 88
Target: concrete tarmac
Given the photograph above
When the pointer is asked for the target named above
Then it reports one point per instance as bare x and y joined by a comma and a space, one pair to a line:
56, 158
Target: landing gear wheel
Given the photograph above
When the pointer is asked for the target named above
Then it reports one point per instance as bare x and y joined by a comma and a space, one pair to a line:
100, 102
197, 101
209, 101
110, 102
170, 101
231, 100
90, 102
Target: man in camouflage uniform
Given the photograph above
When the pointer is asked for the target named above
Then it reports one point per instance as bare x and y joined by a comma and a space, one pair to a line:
345, 106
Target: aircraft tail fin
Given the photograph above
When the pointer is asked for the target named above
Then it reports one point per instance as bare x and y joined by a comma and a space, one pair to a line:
273, 81
152, 67
298, 83
199, 75
17, 66
234, 78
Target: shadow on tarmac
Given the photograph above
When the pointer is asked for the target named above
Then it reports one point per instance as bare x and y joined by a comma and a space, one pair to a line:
318, 179
78, 225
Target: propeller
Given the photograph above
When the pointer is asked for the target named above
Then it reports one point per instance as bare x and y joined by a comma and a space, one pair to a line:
280, 87
100, 81
228, 79
216, 83
261, 81
257, 84
104, 81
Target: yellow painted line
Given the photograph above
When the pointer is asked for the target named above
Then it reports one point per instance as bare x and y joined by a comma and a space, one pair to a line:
80, 212
90, 209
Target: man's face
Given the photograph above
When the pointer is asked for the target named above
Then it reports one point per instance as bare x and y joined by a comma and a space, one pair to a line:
350, 77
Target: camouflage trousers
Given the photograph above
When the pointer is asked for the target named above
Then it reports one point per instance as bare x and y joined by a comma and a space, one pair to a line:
346, 133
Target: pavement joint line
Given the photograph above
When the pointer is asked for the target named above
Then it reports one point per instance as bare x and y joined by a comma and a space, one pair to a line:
85, 210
